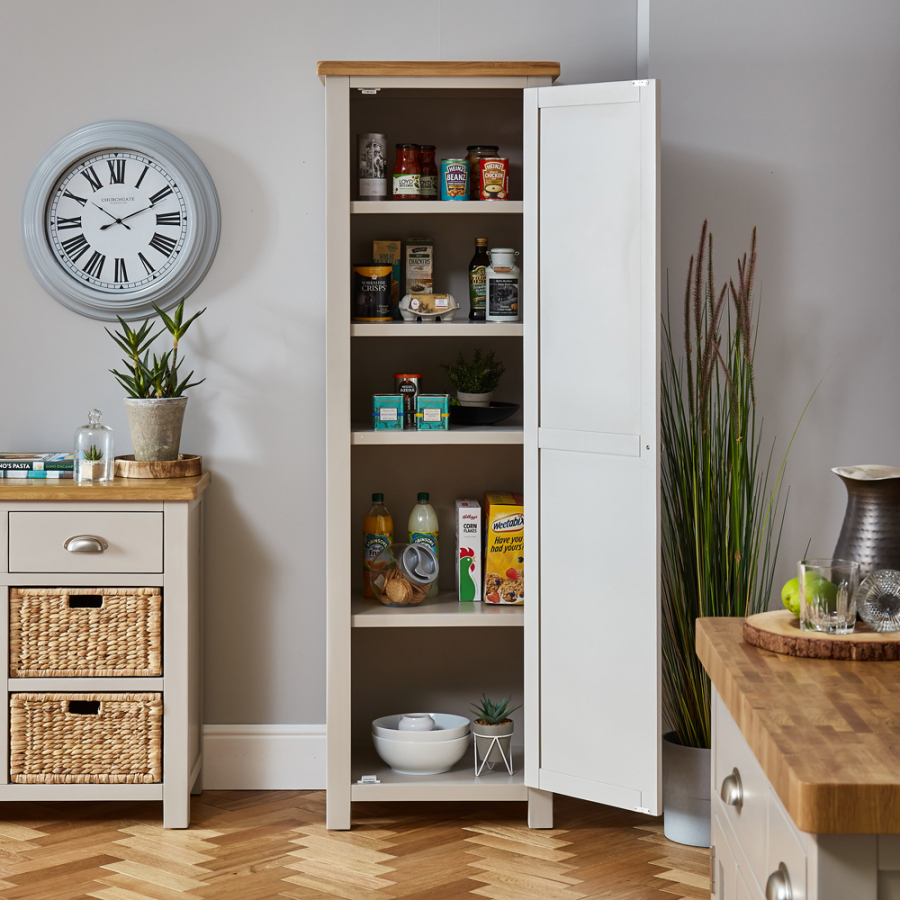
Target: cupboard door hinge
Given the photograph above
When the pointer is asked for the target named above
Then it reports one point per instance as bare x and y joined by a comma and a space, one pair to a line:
643, 83
368, 90
642, 809
712, 870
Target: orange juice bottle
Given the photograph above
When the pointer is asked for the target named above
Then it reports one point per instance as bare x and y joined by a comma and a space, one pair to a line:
378, 533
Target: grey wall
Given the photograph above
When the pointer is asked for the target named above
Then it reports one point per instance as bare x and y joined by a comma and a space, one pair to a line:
786, 116
236, 81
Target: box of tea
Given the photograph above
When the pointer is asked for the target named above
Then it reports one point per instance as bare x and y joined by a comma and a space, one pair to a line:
387, 412
432, 412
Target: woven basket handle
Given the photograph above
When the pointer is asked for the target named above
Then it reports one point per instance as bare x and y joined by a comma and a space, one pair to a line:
84, 707
85, 601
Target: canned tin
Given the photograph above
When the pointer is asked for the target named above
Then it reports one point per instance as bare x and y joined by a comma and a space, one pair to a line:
372, 293
454, 179
372, 155
407, 386
493, 178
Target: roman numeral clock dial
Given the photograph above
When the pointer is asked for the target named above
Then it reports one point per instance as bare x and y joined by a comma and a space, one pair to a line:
116, 213
120, 215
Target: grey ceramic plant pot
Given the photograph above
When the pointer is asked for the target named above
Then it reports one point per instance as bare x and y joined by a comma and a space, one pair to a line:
686, 791
483, 399
156, 427
504, 731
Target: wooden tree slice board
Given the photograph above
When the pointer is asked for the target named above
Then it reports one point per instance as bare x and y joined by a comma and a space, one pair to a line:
186, 464
779, 631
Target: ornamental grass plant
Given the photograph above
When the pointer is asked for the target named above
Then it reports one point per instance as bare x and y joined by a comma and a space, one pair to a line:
721, 499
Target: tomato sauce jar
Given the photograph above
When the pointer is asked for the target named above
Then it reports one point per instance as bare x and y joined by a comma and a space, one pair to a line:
428, 180
407, 173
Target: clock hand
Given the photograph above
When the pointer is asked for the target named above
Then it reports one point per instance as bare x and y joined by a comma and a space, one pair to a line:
135, 213
114, 222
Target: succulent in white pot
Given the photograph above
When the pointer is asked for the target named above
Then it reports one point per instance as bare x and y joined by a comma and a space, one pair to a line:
155, 401
493, 729
475, 379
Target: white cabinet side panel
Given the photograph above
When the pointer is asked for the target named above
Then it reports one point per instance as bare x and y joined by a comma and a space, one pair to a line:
598, 621
590, 276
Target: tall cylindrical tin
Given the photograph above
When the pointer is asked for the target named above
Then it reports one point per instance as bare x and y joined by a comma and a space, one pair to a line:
372, 293
454, 179
372, 154
407, 385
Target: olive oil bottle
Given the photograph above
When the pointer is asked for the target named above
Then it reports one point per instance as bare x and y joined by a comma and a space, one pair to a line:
478, 280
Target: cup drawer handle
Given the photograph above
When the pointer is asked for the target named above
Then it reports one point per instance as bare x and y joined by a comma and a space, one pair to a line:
778, 887
732, 792
86, 543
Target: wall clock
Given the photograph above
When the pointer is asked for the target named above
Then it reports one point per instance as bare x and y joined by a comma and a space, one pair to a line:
117, 216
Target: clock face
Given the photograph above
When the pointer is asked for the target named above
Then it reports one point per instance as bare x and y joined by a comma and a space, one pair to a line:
118, 221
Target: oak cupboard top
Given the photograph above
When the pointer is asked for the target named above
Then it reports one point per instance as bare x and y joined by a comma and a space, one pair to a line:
436, 68
131, 489
826, 732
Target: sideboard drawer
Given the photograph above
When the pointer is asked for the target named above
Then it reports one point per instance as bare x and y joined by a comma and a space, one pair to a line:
133, 542
748, 819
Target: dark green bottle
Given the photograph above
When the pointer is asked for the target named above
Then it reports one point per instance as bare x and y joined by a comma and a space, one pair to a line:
478, 280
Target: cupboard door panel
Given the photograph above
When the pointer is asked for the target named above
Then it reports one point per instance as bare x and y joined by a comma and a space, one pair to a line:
592, 472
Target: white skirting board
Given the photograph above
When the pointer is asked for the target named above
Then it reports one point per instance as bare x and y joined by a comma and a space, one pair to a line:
264, 757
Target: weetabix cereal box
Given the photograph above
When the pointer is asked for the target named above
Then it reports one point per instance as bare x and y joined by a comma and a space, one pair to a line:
468, 550
504, 555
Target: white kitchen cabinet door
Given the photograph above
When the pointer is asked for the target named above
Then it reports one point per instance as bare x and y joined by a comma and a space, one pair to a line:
591, 260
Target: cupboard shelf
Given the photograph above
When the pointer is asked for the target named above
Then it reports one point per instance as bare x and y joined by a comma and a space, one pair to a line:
443, 207
441, 611
460, 783
441, 329
472, 434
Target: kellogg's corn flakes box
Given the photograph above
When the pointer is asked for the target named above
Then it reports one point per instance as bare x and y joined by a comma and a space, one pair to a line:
504, 557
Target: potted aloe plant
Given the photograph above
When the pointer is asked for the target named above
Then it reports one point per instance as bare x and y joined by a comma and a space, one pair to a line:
722, 513
476, 378
155, 387
493, 721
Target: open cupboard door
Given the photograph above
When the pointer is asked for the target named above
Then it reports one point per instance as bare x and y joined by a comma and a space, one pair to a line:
591, 248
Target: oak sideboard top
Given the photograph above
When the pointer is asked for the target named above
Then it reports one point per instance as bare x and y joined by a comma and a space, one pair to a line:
129, 489
826, 732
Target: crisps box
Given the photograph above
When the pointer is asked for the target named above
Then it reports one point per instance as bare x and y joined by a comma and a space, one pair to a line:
387, 412
432, 412
504, 555
469, 554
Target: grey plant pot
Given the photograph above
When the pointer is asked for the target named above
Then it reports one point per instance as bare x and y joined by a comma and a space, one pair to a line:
504, 731
474, 399
685, 793
156, 427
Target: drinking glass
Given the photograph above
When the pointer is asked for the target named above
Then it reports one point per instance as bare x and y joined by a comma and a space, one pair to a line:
828, 595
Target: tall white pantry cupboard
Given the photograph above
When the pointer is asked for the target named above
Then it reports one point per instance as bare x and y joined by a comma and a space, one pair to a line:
582, 654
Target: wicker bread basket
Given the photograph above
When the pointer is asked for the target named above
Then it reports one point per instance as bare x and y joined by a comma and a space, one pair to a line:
85, 632
85, 738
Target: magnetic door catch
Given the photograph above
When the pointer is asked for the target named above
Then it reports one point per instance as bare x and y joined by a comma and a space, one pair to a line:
642, 809
376, 90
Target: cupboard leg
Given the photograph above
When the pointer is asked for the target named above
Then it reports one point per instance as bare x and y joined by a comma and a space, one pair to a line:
540, 808
337, 813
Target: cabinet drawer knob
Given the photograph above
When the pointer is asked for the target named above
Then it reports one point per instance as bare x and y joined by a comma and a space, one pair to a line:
732, 791
778, 887
86, 543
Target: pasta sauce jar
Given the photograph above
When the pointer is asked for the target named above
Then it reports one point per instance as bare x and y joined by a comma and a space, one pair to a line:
428, 179
407, 173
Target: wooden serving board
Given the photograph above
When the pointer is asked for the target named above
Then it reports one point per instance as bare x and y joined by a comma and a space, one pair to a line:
779, 631
187, 464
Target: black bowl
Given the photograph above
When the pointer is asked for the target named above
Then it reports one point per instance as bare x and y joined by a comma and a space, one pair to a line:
481, 415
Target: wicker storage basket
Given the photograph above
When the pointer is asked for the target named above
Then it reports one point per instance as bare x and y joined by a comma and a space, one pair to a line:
84, 632
85, 738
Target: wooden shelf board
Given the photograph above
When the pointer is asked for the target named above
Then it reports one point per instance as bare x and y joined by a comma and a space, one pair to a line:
53, 792
441, 207
441, 611
433, 68
464, 328
472, 434
460, 783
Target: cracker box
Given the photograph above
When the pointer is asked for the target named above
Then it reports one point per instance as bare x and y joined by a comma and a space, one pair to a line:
419, 266
388, 253
387, 412
468, 551
504, 555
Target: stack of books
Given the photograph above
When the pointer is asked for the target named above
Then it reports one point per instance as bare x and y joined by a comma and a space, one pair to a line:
36, 465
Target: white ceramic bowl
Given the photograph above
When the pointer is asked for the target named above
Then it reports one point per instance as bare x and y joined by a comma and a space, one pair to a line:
446, 727
411, 758
416, 722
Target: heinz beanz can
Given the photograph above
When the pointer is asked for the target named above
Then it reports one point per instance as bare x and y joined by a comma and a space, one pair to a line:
454, 179
493, 178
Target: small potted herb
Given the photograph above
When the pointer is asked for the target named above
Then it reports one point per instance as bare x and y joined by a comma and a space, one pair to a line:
156, 400
493, 721
475, 379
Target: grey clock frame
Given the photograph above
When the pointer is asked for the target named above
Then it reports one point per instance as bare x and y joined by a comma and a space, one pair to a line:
201, 204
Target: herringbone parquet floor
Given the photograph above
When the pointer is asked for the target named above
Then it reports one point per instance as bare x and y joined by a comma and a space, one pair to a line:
256, 845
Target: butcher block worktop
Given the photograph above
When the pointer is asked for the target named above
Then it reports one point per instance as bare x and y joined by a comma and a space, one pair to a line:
826, 732
131, 489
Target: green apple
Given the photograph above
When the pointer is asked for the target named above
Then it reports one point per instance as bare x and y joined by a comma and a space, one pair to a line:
817, 589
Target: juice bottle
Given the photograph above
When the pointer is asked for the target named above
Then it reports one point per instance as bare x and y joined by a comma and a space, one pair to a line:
423, 529
378, 533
